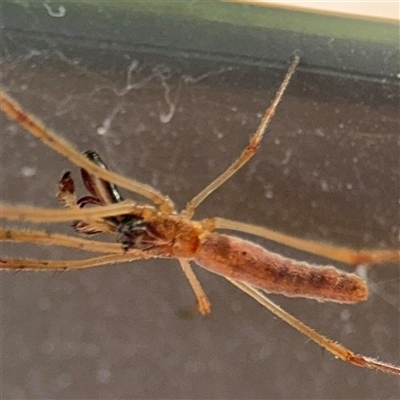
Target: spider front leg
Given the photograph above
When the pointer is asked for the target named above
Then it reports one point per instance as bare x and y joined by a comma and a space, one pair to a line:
50, 138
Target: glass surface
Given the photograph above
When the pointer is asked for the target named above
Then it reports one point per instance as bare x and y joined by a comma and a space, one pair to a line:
328, 169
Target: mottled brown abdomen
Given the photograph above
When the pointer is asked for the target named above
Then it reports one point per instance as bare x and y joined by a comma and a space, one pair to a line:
247, 262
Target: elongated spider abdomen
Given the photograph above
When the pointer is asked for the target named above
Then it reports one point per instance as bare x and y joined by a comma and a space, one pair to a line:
247, 262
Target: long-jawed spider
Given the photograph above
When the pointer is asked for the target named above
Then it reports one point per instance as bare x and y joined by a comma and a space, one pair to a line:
144, 231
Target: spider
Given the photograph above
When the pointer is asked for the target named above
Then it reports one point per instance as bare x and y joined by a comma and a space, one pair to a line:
145, 231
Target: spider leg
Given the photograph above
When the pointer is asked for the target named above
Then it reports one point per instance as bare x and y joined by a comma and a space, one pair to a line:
334, 348
56, 239
69, 265
37, 128
203, 304
251, 148
337, 253
40, 215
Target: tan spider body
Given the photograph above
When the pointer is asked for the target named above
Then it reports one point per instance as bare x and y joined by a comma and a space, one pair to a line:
165, 233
